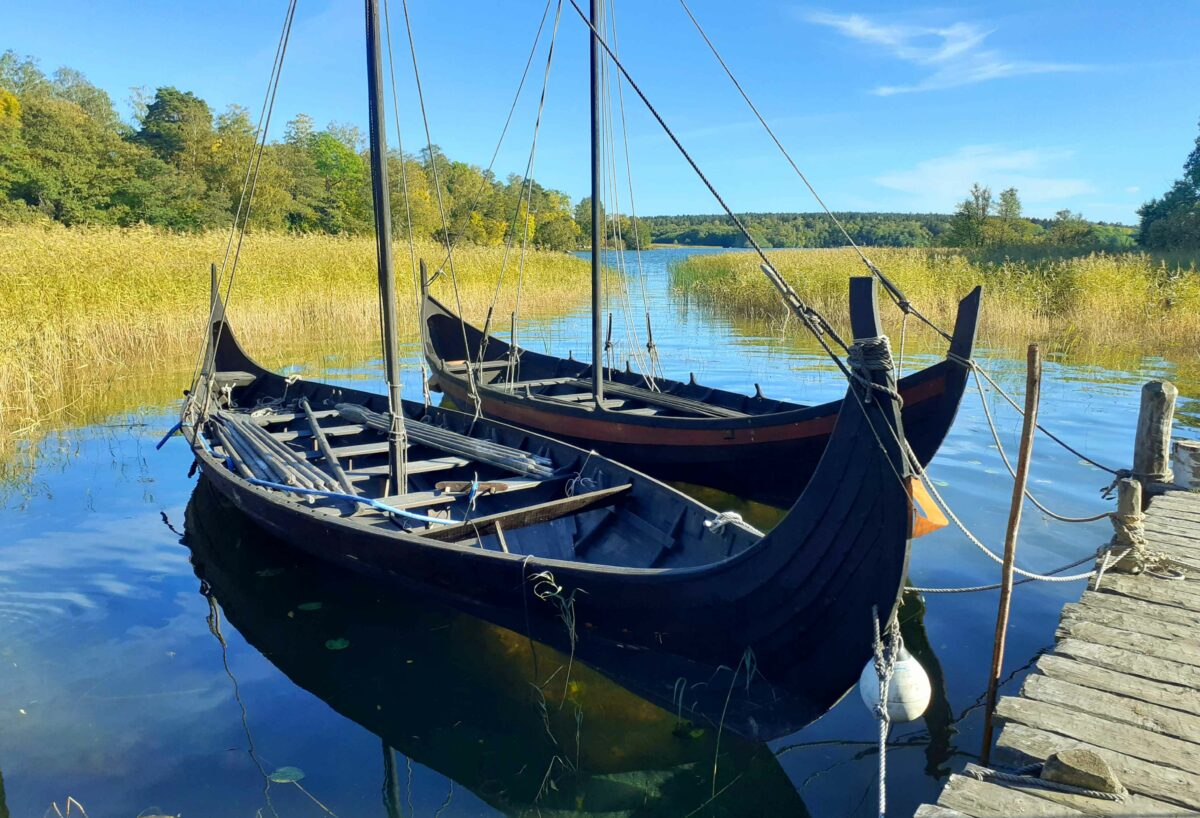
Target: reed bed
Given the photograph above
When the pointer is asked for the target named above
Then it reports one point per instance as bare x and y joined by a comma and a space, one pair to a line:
1095, 301
81, 309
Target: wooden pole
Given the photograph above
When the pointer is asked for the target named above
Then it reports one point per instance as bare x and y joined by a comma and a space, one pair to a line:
1128, 527
1152, 446
1033, 383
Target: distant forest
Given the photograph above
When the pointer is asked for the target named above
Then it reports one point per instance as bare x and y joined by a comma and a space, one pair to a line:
884, 230
67, 156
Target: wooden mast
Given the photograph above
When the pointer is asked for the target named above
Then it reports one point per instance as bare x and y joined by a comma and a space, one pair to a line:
383, 245
597, 329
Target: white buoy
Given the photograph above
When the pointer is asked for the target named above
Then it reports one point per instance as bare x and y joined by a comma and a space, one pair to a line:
908, 692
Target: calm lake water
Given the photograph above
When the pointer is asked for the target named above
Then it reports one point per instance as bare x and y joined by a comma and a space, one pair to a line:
136, 687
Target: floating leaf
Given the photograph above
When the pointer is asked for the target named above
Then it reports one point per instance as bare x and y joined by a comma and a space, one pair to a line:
337, 644
269, 572
287, 775
309, 606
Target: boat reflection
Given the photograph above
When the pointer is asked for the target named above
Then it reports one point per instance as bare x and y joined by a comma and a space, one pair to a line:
526, 728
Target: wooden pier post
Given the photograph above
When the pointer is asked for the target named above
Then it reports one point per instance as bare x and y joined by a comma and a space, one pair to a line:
1185, 463
1152, 446
1129, 527
1033, 383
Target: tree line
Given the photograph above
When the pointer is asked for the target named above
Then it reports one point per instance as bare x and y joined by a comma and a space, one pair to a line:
66, 155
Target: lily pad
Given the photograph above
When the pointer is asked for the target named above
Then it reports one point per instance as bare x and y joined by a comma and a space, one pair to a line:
287, 775
337, 644
309, 606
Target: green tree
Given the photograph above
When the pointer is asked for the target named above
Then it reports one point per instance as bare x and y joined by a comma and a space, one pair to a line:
968, 227
1173, 222
1069, 230
178, 128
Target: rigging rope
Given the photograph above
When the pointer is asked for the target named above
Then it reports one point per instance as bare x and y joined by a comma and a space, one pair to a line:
483, 183
246, 197
412, 249
894, 291
651, 348
433, 164
812, 319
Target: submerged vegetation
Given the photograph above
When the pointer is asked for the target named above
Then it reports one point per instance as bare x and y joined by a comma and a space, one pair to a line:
85, 307
1097, 299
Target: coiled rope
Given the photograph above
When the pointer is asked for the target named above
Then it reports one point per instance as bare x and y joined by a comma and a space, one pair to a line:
867, 355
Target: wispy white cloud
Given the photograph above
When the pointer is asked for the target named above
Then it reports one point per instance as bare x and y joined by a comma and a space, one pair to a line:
952, 55
936, 184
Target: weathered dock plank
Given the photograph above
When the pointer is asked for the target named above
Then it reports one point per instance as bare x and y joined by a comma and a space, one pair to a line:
1122, 681
1126, 685
1021, 744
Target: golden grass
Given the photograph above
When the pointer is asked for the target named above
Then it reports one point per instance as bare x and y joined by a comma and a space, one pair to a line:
81, 309
1100, 301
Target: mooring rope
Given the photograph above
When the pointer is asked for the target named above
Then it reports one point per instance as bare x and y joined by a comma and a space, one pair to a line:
1020, 777
973, 365
887, 650
987, 413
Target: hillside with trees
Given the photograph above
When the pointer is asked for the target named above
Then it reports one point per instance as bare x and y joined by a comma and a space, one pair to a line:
66, 155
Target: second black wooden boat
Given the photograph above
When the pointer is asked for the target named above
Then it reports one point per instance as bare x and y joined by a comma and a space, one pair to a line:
753, 446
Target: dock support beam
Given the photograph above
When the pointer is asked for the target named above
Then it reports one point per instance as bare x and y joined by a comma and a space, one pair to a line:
1152, 447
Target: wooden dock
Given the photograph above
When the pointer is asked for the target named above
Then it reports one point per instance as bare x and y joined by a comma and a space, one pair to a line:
1123, 680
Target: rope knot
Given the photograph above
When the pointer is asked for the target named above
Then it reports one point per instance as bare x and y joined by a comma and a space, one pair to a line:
868, 355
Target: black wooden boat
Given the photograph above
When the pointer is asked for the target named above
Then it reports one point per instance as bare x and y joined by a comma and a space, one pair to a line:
482, 705
623, 557
752, 446
749, 445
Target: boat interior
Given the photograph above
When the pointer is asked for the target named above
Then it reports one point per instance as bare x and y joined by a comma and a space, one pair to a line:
567, 382
503, 491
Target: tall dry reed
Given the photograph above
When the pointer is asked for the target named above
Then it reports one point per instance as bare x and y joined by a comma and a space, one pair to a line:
1101, 300
81, 309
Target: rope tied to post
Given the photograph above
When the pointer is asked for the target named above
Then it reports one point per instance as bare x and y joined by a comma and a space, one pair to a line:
867, 355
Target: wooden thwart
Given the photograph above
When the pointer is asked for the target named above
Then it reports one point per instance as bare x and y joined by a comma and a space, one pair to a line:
530, 515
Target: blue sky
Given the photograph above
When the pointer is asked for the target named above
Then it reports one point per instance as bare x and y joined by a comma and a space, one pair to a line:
1086, 105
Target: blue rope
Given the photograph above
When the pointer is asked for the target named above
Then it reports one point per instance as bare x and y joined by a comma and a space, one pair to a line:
353, 498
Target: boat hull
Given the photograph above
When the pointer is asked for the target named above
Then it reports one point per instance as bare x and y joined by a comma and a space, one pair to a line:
764, 456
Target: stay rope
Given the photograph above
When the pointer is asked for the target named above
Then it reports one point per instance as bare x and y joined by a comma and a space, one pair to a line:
437, 185
810, 317
651, 347
412, 248
893, 291
613, 215
241, 216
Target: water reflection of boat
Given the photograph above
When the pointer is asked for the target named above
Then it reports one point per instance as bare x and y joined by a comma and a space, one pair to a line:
482, 705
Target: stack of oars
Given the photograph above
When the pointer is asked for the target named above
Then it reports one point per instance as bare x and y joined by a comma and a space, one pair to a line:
255, 453
445, 440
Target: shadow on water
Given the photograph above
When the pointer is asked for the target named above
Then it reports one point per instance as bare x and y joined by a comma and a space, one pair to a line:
493, 711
